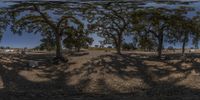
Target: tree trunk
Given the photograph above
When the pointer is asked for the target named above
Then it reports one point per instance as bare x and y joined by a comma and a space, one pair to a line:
59, 57
183, 45
160, 45
78, 49
58, 46
119, 44
118, 50
183, 49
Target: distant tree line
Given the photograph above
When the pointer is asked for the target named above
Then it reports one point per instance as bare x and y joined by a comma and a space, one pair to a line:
2, 47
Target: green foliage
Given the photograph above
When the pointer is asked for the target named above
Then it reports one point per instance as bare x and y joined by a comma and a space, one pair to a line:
39, 17
4, 21
47, 43
146, 43
128, 46
150, 25
111, 21
180, 26
77, 38
7, 47
153, 26
196, 29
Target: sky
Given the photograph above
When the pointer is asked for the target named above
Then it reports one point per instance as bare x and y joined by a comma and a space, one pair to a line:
31, 40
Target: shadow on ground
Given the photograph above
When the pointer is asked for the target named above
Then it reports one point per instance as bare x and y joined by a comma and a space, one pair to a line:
155, 79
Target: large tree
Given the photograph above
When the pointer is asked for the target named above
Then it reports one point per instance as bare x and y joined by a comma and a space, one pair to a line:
182, 31
181, 27
43, 17
152, 25
158, 19
111, 21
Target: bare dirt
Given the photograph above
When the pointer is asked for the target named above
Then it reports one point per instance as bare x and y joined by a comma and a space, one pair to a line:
93, 75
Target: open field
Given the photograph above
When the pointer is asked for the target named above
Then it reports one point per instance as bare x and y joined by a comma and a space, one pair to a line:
98, 74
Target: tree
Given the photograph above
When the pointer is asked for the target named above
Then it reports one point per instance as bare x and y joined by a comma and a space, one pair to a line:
153, 25
111, 21
186, 30
128, 46
145, 40
43, 17
196, 24
4, 21
145, 43
77, 38
158, 26
181, 27
7, 47
47, 42
2, 47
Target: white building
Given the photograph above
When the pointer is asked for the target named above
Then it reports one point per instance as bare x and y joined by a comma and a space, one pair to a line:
8, 50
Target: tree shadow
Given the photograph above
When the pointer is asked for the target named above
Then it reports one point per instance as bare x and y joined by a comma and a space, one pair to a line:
18, 83
95, 77
161, 81
81, 53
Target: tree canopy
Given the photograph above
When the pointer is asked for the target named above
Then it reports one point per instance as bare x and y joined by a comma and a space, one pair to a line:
43, 17
72, 22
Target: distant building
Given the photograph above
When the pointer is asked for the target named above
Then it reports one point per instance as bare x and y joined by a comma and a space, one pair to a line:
11, 50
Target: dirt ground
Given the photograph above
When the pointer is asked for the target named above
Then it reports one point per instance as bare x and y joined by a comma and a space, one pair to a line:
100, 75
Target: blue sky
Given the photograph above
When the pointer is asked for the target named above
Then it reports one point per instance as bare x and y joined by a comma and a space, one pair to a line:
18, 41
28, 40
31, 40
